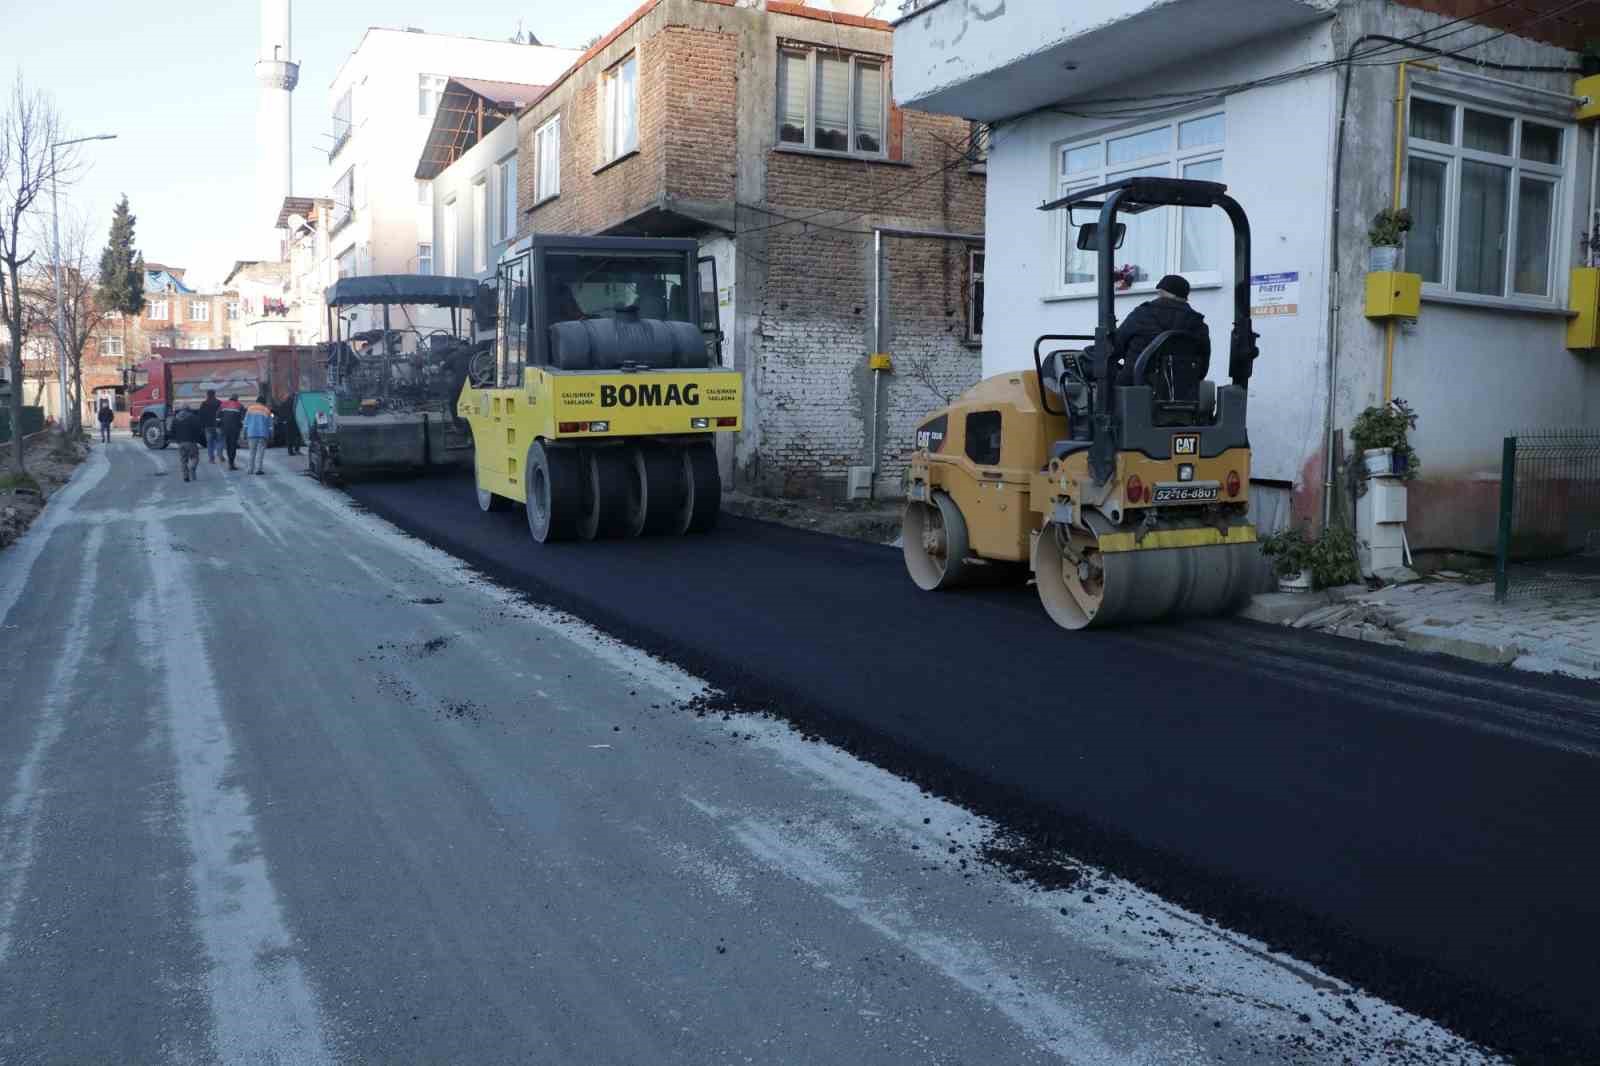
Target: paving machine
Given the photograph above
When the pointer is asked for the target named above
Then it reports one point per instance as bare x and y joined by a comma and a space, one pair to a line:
1120, 479
605, 388
391, 388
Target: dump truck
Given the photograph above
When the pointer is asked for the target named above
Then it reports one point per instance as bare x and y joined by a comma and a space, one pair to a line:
390, 389
1121, 480
161, 384
598, 404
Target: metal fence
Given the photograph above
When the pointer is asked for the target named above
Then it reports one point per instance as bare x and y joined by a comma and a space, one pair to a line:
32, 421
1549, 539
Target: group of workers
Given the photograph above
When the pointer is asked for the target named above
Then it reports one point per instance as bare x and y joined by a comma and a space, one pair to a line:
218, 425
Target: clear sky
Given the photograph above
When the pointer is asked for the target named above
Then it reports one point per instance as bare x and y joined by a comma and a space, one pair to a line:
177, 86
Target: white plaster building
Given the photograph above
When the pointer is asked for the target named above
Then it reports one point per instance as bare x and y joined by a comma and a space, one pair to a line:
470, 161
1492, 164
382, 102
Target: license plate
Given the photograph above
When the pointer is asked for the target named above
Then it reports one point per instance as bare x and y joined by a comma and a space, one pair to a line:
1191, 493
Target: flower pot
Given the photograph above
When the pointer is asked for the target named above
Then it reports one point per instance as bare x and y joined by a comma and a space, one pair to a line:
1383, 258
1378, 462
1300, 582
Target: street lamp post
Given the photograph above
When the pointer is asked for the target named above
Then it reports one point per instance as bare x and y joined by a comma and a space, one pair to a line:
55, 239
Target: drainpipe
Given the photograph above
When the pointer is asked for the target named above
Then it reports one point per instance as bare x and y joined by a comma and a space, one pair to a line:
877, 373
1390, 328
878, 234
1594, 177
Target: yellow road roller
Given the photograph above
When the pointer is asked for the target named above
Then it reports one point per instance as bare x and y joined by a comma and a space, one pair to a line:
597, 405
1120, 479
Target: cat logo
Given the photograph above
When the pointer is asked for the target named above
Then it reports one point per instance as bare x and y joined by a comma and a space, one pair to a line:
1186, 444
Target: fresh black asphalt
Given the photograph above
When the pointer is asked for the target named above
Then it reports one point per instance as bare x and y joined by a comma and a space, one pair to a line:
1424, 827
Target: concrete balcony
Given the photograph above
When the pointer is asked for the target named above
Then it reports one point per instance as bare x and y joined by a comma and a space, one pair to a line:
992, 59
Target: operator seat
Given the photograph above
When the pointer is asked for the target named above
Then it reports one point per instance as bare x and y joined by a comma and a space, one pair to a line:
1174, 367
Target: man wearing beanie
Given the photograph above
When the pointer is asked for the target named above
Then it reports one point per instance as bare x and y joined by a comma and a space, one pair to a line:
1169, 310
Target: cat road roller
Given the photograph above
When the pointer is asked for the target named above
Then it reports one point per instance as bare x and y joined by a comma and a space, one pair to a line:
597, 405
1120, 479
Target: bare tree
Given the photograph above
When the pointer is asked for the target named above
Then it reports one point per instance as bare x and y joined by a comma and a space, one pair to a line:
82, 313
29, 125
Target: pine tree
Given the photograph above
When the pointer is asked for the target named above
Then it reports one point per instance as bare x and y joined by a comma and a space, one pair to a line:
122, 270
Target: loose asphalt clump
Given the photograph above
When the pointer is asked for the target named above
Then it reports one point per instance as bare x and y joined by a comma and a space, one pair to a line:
428, 600
1028, 861
461, 710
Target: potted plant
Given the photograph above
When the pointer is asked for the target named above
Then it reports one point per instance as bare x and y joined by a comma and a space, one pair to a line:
1386, 233
1333, 559
1380, 432
1290, 552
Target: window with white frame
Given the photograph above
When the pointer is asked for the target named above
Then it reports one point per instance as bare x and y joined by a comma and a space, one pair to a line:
344, 198
110, 345
346, 263
425, 259
1483, 187
480, 223
199, 311
448, 250
429, 88
547, 160
505, 181
156, 309
1167, 240
619, 117
832, 101
232, 310
342, 124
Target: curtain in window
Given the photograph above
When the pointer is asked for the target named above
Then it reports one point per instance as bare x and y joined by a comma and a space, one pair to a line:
1425, 185
1080, 266
1535, 203
627, 106
869, 107
791, 98
1145, 247
1481, 255
1201, 225
833, 104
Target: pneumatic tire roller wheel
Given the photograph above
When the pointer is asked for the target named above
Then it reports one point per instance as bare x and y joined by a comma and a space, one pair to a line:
702, 499
1102, 588
659, 478
556, 497
612, 497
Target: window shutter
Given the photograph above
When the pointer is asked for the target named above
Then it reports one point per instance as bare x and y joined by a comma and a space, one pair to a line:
869, 107
791, 98
833, 104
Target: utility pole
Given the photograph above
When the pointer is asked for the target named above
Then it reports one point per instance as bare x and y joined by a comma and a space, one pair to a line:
55, 239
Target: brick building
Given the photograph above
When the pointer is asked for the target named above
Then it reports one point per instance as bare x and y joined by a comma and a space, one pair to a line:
769, 132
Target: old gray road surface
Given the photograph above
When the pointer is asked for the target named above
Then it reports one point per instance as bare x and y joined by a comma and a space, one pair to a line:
281, 784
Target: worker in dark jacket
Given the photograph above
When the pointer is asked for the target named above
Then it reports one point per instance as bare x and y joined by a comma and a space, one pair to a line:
230, 417
208, 422
284, 413
189, 433
1170, 310
106, 418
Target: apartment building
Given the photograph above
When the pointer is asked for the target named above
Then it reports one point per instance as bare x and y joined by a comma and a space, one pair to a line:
470, 163
383, 101
841, 226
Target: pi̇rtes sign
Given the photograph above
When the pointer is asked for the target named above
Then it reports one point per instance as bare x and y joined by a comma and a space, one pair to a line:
1275, 295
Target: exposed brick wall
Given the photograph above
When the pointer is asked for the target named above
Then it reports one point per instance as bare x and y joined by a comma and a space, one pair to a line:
816, 327
804, 301
699, 115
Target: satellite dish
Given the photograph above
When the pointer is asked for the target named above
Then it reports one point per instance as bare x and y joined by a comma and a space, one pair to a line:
297, 222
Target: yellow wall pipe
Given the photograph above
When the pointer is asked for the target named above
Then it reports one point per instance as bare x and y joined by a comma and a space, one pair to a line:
1391, 327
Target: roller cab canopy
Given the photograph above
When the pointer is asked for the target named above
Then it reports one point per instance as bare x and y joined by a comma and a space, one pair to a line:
416, 289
